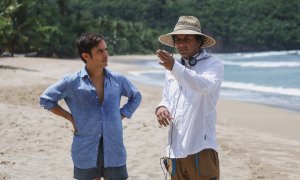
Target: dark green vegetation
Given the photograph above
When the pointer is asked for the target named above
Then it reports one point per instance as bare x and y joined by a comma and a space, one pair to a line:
50, 27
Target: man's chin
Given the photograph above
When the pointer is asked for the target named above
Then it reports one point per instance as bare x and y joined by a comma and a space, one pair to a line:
105, 64
184, 56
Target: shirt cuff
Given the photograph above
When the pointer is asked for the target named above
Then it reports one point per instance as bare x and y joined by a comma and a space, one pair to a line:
47, 104
163, 104
126, 113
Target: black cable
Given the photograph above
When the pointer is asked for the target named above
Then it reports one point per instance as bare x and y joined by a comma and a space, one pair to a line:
171, 126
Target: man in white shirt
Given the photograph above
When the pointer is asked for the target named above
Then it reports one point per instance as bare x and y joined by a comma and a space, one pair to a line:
190, 94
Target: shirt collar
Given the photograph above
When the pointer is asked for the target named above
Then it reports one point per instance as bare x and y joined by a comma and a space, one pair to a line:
203, 55
84, 73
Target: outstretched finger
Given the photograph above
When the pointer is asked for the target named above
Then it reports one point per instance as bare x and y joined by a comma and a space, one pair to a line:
159, 117
165, 121
159, 122
167, 115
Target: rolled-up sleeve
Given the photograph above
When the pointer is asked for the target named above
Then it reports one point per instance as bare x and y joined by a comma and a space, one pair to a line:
134, 98
50, 97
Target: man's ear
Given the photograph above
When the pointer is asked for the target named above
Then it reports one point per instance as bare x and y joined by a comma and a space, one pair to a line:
85, 56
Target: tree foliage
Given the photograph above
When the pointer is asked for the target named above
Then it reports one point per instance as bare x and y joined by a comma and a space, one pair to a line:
50, 27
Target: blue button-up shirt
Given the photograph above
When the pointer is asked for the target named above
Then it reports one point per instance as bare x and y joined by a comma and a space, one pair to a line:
94, 120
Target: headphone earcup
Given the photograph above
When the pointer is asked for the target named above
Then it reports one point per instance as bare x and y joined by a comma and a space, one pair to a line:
193, 62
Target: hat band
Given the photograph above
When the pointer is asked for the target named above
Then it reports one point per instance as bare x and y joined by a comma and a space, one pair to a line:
187, 28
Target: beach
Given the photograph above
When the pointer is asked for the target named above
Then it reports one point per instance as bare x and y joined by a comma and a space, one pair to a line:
255, 141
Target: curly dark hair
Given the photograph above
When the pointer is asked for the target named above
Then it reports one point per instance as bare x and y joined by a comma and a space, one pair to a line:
86, 42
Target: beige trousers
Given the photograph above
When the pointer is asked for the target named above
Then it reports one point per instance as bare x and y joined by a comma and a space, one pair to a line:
201, 166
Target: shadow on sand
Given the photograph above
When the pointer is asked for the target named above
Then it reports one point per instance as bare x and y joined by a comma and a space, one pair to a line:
16, 68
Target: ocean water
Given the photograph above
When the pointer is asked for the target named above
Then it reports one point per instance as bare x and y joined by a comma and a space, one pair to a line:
270, 78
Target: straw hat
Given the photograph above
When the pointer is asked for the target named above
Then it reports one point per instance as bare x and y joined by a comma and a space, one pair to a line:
186, 25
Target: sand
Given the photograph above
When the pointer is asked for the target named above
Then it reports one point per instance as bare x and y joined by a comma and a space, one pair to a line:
255, 141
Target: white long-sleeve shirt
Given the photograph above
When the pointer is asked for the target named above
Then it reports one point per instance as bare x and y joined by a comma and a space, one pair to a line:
191, 96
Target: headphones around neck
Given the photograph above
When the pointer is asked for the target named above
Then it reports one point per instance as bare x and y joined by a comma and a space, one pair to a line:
192, 61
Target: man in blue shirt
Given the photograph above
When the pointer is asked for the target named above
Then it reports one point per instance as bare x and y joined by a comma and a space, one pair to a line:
93, 96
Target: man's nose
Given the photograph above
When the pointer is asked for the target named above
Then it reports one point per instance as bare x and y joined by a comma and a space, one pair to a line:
180, 44
106, 54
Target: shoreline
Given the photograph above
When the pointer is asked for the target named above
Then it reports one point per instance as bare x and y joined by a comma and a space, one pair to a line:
255, 141
145, 79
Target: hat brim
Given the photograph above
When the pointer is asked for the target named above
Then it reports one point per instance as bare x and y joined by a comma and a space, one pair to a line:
168, 40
